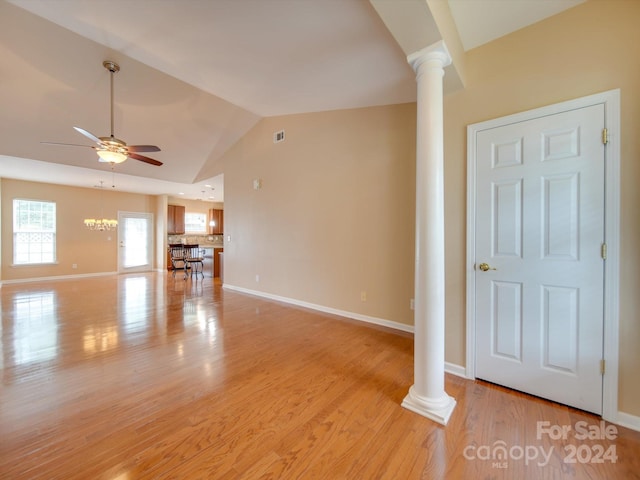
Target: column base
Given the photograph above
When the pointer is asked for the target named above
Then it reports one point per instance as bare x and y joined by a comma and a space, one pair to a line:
439, 409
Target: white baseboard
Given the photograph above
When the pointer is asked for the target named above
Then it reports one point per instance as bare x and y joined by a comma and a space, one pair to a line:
321, 308
457, 370
629, 421
57, 277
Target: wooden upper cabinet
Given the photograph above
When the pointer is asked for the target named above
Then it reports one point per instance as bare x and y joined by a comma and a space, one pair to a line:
216, 216
221, 222
175, 219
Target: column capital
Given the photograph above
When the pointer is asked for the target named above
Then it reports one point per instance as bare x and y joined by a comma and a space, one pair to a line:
437, 51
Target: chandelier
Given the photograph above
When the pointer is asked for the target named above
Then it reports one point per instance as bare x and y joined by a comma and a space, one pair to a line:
100, 224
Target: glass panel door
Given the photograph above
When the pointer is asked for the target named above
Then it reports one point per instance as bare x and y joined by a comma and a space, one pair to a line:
135, 240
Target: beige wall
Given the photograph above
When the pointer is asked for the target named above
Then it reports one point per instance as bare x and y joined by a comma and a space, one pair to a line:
335, 213
591, 48
93, 252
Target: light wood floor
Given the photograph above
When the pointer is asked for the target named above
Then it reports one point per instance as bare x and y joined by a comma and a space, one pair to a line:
151, 377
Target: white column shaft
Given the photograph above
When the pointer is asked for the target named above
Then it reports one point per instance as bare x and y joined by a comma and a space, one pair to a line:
429, 277
427, 395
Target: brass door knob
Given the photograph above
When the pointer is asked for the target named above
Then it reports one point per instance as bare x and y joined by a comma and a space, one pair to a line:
485, 267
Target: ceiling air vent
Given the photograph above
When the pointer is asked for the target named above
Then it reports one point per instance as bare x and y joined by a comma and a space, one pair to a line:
278, 136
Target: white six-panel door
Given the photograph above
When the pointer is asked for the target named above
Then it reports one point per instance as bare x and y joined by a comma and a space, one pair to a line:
539, 230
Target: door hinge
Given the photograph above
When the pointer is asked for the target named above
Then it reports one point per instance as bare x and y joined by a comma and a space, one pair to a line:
602, 367
605, 136
603, 251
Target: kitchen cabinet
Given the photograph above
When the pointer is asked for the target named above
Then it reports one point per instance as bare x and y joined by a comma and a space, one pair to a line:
216, 262
175, 219
217, 216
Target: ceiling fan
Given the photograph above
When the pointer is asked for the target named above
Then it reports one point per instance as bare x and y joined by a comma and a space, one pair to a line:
111, 149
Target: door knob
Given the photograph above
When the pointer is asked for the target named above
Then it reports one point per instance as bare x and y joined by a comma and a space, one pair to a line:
485, 267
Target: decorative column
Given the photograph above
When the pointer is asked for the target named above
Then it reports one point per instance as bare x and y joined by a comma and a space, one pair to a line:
427, 396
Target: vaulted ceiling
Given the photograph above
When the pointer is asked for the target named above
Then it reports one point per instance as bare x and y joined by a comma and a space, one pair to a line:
196, 75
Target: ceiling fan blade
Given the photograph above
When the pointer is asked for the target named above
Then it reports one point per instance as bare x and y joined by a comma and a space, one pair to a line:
67, 144
143, 148
89, 135
142, 158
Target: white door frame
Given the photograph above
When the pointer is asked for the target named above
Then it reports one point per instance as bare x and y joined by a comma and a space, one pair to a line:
611, 101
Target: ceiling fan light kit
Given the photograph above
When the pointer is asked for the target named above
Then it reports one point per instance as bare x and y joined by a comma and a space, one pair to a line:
107, 156
113, 154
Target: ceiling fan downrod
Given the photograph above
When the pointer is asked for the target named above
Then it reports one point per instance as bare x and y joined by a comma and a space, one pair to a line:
113, 67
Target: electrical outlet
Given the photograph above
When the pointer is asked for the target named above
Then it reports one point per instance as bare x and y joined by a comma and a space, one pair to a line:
257, 278
412, 304
75, 265
363, 296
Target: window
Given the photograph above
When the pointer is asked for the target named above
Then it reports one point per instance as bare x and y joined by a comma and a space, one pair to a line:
195, 223
34, 232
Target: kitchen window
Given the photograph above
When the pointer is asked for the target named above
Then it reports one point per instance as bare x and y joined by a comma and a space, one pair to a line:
195, 223
34, 232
